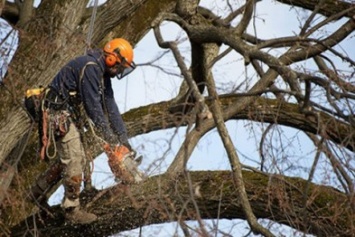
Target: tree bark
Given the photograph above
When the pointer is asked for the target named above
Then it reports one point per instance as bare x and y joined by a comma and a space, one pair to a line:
155, 117
161, 199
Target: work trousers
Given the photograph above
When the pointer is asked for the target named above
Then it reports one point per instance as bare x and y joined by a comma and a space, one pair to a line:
72, 156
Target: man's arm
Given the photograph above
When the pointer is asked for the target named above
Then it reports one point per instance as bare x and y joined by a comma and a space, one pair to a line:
117, 124
92, 100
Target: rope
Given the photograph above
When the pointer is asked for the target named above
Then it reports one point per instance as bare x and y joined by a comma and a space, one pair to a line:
100, 139
47, 137
51, 139
91, 26
44, 134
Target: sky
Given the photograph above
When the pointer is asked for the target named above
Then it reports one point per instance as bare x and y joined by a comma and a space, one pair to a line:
5, 49
148, 85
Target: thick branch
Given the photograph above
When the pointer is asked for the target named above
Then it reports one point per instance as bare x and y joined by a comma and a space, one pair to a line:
154, 117
161, 199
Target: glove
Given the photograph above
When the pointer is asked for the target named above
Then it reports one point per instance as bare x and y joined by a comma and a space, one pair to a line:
123, 139
122, 164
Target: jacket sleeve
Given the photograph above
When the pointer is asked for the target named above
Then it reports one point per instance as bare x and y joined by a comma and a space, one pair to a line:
92, 99
117, 124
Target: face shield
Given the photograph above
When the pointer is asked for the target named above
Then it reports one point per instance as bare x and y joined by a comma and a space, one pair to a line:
123, 67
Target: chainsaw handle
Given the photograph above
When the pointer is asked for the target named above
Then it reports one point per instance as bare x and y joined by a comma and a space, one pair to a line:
119, 152
122, 164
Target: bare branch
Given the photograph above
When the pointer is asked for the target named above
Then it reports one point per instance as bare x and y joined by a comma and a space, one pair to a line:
233, 159
328, 8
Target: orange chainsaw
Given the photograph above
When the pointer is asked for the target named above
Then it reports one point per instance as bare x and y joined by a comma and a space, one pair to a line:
124, 164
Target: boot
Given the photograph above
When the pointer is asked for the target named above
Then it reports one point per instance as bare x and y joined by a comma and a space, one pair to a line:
77, 216
71, 203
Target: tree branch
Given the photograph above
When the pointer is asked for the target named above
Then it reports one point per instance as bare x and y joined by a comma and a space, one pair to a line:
328, 8
276, 197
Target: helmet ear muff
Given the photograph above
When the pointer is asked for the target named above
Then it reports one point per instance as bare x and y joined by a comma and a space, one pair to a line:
111, 59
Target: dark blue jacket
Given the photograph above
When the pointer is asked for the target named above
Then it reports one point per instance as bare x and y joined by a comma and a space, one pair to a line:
85, 76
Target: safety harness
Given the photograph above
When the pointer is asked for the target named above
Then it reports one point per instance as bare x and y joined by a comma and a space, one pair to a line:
53, 115
55, 122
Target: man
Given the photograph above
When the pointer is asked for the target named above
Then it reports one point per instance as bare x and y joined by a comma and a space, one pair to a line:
84, 82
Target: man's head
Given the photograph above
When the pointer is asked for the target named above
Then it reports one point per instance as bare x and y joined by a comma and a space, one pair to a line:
119, 58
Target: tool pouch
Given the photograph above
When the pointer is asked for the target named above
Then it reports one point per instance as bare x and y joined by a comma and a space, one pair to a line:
33, 101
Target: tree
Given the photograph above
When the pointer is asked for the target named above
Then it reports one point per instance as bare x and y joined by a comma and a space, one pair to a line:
281, 92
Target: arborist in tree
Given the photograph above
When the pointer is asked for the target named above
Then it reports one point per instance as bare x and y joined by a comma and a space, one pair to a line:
79, 96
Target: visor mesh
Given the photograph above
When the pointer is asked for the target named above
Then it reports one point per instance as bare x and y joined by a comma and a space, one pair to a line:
127, 68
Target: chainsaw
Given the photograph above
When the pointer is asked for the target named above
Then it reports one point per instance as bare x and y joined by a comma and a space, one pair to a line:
124, 164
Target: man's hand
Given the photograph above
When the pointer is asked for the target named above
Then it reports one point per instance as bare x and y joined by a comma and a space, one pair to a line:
122, 164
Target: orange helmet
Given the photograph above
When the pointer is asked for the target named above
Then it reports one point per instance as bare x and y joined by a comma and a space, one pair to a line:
119, 51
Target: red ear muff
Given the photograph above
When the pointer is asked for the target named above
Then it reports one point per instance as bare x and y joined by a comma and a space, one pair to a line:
110, 59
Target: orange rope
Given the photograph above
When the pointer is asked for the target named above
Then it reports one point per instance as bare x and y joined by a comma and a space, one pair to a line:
45, 141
